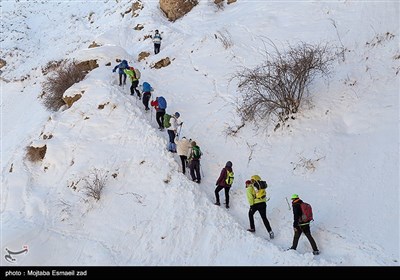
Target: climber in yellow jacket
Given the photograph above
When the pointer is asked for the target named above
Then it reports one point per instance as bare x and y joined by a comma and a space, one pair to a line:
257, 200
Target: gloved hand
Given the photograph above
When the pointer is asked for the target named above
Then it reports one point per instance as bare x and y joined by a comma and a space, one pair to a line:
114, 70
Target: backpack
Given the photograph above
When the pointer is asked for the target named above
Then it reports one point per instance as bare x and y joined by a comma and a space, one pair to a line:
229, 177
162, 103
166, 120
123, 65
261, 185
137, 73
196, 152
307, 214
147, 87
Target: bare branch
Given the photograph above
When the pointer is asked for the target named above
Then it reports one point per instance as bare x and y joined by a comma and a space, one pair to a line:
276, 88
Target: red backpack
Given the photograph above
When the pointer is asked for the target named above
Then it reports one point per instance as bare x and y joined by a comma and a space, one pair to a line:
307, 214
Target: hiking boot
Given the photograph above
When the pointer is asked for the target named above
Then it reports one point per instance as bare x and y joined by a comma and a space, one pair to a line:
251, 230
227, 206
217, 203
271, 234
315, 252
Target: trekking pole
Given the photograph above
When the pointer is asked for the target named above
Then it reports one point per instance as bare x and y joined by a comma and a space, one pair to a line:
287, 203
180, 129
201, 169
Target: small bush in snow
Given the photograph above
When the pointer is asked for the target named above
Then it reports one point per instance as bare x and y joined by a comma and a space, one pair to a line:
58, 82
277, 87
225, 37
94, 183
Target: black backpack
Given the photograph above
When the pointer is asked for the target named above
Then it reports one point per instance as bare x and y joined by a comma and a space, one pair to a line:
261, 185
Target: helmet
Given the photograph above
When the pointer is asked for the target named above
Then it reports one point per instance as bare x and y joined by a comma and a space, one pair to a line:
256, 178
177, 115
295, 196
228, 164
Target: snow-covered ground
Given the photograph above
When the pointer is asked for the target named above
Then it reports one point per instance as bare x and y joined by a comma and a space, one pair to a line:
341, 154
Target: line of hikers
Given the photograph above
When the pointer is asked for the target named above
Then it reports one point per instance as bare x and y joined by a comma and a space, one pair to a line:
257, 197
190, 155
188, 150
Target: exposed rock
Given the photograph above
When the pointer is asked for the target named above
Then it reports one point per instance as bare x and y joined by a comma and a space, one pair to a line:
94, 45
143, 55
136, 7
162, 63
2, 63
88, 65
138, 27
69, 100
231, 1
175, 9
101, 106
36, 153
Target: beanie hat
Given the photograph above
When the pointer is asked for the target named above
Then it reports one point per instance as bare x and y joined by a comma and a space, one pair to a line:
295, 196
256, 178
177, 115
228, 164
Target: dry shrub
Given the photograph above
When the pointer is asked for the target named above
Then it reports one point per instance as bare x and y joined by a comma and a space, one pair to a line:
277, 87
225, 37
94, 183
67, 74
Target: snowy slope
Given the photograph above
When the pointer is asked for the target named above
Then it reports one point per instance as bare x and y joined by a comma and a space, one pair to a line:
341, 154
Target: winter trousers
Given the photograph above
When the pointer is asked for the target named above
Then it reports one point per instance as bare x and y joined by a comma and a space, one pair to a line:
262, 209
183, 160
120, 78
195, 168
160, 119
171, 134
218, 189
157, 48
134, 88
297, 233
146, 99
